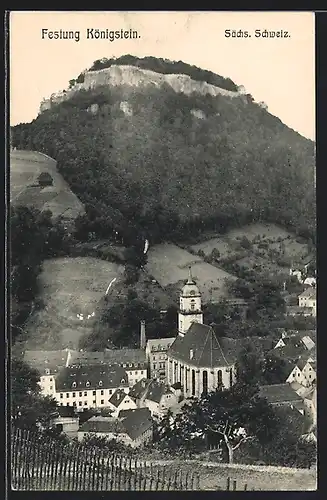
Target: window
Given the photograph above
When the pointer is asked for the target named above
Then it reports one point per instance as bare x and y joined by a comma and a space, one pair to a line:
193, 382
51, 387
67, 394
102, 401
87, 384
74, 384
80, 403
192, 307
50, 379
94, 392
74, 394
219, 378
293, 374
122, 381
81, 394
110, 391
61, 404
154, 366
101, 392
67, 404
142, 371
205, 381
74, 403
85, 393
47, 371
61, 395
85, 403
100, 383
94, 401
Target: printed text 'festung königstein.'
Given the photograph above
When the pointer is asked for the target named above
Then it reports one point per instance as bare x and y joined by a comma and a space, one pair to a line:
89, 34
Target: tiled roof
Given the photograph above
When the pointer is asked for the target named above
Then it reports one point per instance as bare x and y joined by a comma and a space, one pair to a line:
207, 350
110, 376
139, 389
149, 389
279, 393
128, 356
160, 344
308, 293
46, 360
301, 364
117, 397
132, 422
289, 352
156, 389
135, 357
137, 422
103, 424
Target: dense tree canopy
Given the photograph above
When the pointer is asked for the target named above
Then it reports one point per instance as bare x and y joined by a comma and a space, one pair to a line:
29, 409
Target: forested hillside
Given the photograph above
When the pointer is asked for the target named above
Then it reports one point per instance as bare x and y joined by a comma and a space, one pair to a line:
161, 170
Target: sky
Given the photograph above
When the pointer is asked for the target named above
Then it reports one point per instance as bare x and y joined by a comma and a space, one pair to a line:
278, 71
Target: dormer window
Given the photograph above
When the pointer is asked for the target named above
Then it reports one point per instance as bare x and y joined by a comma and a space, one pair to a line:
122, 381
100, 383
74, 384
47, 371
87, 384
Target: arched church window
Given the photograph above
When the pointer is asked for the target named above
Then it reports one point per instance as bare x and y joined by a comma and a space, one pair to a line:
205, 382
219, 378
193, 382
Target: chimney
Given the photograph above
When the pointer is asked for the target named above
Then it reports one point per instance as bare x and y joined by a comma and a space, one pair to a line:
68, 359
191, 353
142, 335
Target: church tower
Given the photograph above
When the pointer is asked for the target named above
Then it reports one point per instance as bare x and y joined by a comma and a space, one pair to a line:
190, 308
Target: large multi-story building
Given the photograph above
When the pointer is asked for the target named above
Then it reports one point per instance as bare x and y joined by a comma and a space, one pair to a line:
89, 386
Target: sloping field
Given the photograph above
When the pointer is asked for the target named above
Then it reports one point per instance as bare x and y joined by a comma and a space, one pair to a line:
214, 476
169, 265
71, 287
268, 243
25, 167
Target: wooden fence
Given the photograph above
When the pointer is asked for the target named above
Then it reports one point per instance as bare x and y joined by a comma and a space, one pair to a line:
39, 464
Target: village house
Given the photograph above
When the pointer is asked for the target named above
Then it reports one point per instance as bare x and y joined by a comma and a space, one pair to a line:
66, 420
304, 372
282, 395
155, 395
121, 401
156, 354
308, 299
196, 358
305, 339
133, 427
89, 386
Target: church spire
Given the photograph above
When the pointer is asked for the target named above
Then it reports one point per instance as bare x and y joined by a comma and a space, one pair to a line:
190, 280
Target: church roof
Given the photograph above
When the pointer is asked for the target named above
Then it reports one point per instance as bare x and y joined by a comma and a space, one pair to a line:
201, 347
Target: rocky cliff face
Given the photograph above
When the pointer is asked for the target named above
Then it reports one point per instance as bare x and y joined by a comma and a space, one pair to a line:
133, 76
137, 77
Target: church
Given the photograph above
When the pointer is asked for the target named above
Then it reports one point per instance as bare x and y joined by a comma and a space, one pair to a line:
197, 359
